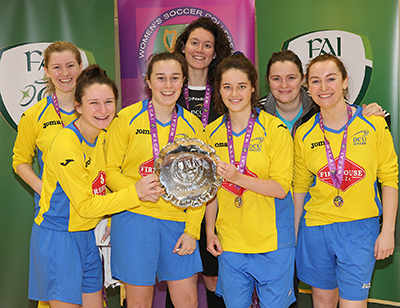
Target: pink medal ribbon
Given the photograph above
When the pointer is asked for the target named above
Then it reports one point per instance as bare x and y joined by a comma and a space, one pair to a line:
206, 104
336, 173
57, 107
153, 128
245, 151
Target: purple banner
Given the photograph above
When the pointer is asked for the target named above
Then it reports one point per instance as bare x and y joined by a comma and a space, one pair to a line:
146, 27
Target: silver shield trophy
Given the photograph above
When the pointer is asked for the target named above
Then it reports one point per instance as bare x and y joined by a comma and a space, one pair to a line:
187, 170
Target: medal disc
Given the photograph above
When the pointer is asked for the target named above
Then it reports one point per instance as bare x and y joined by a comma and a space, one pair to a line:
238, 202
338, 201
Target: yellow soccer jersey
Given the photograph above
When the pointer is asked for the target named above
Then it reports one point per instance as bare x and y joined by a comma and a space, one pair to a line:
263, 223
130, 157
36, 130
370, 155
74, 184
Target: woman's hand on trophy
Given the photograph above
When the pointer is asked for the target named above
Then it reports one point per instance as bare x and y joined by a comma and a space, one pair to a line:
149, 188
228, 171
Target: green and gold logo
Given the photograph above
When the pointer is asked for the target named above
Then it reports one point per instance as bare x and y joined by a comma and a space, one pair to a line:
353, 49
22, 78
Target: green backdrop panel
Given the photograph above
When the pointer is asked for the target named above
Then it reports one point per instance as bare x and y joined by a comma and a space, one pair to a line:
377, 20
90, 25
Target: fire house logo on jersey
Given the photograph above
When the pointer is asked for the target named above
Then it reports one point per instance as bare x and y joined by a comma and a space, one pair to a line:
231, 187
99, 184
352, 174
22, 82
146, 168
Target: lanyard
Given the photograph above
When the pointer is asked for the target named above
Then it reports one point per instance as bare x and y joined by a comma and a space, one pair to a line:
57, 107
153, 128
246, 143
336, 173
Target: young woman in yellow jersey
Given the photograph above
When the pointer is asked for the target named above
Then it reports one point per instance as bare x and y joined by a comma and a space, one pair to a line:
65, 265
340, 156
157, 239
255, 236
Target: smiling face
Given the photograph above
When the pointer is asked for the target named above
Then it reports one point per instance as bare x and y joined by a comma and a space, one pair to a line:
236, 90
63, 69
166, 81
97, 109
285, 81
199, 49
326, 84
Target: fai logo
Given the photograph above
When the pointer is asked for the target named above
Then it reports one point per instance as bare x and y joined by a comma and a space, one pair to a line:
231, 187
99, 184
146, 168
22, 78
161, 34
360, 138
353, 49
352, 174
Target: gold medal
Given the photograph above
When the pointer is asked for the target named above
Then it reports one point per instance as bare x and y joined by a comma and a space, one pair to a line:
338, 201
238, 202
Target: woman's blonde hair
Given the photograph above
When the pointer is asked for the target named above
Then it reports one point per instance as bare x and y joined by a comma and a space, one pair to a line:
58, 47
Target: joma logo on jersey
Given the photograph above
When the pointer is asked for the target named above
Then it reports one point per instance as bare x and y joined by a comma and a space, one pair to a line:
88, 162
360, 138
255, 144
140, 131
58, 122
66, 162
352, 174
317, 144
221, 144
26, 85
